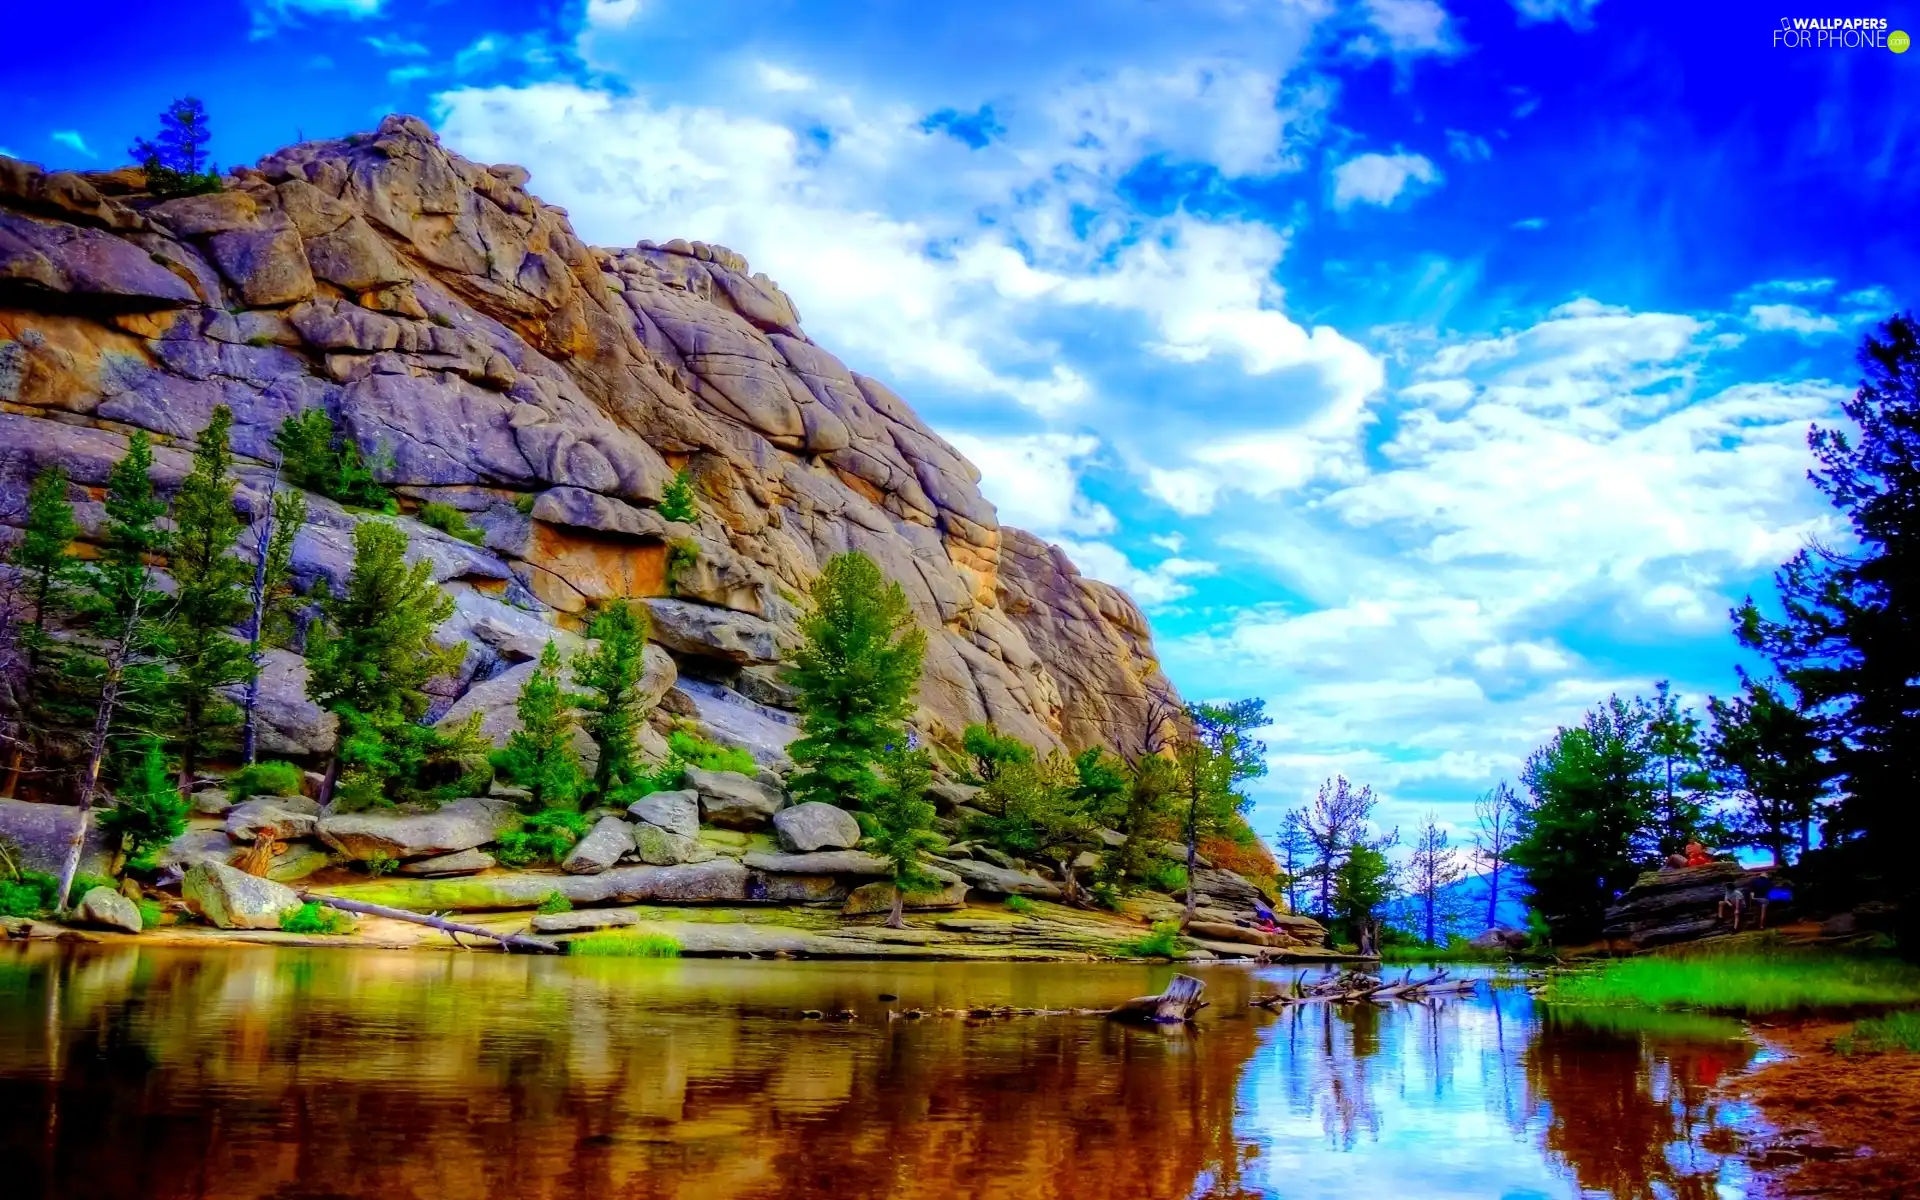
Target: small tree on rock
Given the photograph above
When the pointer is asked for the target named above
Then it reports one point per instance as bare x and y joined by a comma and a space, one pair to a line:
856, 672
1217, 753
176, 162
609, 673
900, 824
210, 599
539, 755
48, 573
148, 810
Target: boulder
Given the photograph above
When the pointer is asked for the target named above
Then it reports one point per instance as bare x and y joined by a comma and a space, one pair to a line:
606, 843
878, 898
463, 862
720, 881
734, 801
297, 861
675, 812
1499, 939
41, 834
1225, 889
212, 802
661, 847
268, 266
703, 631
1668, 906
268, 818
108, 909
197, 846
947, 795
459, 825
804, 828
232, 899
798, 889
839, 862
999, 881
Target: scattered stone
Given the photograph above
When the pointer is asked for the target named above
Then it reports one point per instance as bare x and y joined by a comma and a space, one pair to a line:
663, 848
463, 862
878, 898
233, 899
675, 812
804, 828
459, 825
605, 844
733, 801
108, 909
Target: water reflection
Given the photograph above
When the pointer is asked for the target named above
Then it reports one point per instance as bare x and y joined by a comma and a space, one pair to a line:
304, 1075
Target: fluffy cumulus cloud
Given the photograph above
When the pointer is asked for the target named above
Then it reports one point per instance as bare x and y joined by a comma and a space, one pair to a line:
1035, 480
1790, 318
1577, 13
1380, 179
1409, 27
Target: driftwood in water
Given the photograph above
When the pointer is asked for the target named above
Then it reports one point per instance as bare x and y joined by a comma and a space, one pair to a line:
452, 929
1174, 1006
1350, 987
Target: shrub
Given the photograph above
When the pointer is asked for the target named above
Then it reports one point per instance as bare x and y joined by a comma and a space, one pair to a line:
554, 902
1106, 894
380, 865
626, 943
1895, 1031
29, 894
686, 749
682, 554
450, 521
1163, 942
318, 456
678, 503
148, 810
264, 779
545, 836
150, 912
1019, 904
315, 917
1166, 876
523, 503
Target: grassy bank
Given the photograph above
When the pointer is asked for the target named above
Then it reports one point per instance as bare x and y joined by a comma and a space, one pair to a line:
1895, 1031
1745, 982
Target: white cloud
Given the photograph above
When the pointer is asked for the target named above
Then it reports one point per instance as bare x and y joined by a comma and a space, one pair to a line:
1468, 147
270, 16
71, 139
413, 73
611, 14
1034, 481
1875, 297
774, 78
1379, 178
1411, 27
1530, 224
1790, 318
1795, 287
396, 47
1576, 13
1151, 587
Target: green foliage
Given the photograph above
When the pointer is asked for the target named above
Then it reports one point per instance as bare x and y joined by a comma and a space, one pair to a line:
315, 917
900, 822
27, 894
1742, 981
450, 521
270, 778
990, 751
1457, 949
148, 809
1895, 1031
275, 578
151, 913
682, 555
554, 902
176, 161
379, 865
540, 755
625, 943
856, 672
1363, 883
678, 502
1769, 753
1215, 755
1020, 904
1106, 894
685, 749
1165, 876
402, 762
1163, 942
523, 503
210, 599
609, 674
319, 457
1583, 836
1149, 818
1040, 809
1681, 784
545, 836
47, 575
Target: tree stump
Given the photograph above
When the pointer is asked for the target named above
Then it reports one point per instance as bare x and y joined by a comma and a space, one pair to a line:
1175, 1006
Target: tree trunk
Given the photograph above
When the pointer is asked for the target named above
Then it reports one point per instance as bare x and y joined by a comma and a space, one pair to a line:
1193, 853
897, 918
90, 780
1493, 895
1176, 1005
508, 940
249, 737
329, 778
15, 762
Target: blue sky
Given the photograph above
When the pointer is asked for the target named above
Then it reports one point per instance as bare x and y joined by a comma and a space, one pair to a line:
1429, 368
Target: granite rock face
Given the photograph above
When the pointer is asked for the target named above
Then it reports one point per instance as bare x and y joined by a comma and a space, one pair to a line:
487, 358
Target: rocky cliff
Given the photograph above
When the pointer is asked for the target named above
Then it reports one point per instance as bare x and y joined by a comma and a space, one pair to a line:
484, 357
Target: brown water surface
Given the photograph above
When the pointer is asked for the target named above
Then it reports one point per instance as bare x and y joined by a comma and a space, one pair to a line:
137, 1073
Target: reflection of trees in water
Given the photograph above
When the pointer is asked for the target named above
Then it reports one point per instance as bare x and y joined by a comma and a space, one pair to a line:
251, 1074
1624, 1111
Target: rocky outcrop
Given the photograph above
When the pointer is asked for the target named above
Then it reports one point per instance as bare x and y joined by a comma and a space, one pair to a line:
232, 899
1663, 907
486, 358
108, 909
805, 828
461, 825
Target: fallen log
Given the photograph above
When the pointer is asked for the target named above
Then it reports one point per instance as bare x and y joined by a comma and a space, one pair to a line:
1350, 988
1220, 931
1176, 1005
452, 929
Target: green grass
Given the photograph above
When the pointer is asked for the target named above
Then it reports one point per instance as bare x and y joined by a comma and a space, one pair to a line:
1744, 982
314, 917
1895, 1031
554, 902
450, 521
1455, 951
625, 943
1163, 942
1019, 904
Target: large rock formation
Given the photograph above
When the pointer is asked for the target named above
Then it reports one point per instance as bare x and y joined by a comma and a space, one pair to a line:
486, 358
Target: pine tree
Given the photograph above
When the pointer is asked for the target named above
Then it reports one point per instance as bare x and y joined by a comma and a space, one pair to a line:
609, 673
1680, 810
678, 503
1216, 754
48, 574
1432, 868
1769, 753
1332, 823
856, 672
176, 163
1149, 821
210, 599
119, 601
371, 662
1494, 815
270, 598
1292, 847
539, 756
148, 810
901, 824
1362, 885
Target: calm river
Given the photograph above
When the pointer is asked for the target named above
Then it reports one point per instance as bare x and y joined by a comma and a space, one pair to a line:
149, 1073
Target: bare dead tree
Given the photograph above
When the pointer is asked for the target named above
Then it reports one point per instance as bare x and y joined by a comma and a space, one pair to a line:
1494, 812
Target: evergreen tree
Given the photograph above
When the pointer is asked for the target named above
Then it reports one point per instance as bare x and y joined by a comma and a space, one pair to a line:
318, 455
678, 502
539, 756
270, 599
1680, 808
47, 574
1149, 821
1217, 753
176, 163
1583, 836
148, 810
856, 672
609, 674
1362, 884
1333, 823
1432, 868
988, 750
1845, 641
900, 824
1041, 810
118, 601
1769, 753
210, 599
371, 661
1292, 847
